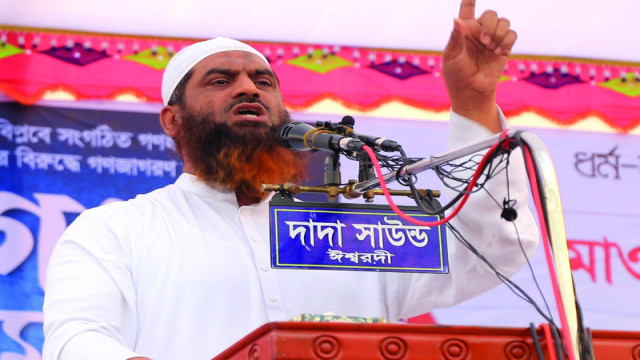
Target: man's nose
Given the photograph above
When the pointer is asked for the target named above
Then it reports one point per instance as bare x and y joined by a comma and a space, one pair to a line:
244, 86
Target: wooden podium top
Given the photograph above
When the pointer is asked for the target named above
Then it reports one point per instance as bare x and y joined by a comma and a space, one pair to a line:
332, 340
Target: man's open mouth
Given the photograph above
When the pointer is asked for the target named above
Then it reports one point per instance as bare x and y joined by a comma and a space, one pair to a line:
249, 110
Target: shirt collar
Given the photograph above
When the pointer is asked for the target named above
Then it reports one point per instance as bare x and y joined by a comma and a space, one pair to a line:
191, 183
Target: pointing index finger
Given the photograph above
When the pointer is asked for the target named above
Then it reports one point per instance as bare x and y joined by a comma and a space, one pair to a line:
467, 9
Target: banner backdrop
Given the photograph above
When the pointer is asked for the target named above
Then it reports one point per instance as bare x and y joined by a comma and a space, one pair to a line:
101, 66
55, 162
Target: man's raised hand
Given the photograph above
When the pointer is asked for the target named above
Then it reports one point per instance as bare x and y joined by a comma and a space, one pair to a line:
473, 61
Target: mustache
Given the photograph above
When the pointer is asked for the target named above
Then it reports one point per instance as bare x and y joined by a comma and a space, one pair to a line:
246, 99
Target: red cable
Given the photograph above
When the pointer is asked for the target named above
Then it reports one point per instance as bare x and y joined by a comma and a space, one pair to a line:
547, 335
400, 213
547, 249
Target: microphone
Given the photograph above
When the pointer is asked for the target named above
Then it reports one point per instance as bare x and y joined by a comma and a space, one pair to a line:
299, 136
375, 142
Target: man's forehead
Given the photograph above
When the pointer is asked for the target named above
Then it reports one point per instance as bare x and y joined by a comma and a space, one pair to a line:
185, 60
232, 60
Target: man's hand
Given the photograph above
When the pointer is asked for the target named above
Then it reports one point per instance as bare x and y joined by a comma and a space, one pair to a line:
473, 62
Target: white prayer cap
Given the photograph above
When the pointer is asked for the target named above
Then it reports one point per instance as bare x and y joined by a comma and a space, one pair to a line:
188, 57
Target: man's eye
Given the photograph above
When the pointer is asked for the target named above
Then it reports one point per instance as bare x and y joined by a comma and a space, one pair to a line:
263, 82
219, 82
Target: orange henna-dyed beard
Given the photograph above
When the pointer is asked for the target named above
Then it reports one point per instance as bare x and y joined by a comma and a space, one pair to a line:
240, 157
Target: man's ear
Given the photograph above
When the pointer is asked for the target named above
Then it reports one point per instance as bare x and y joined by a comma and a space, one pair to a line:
170, 119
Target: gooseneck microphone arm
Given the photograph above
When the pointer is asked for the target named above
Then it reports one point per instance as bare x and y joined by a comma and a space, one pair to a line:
299, 136
374, 142
426, 164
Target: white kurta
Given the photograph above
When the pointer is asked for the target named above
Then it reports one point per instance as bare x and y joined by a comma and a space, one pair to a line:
183, 272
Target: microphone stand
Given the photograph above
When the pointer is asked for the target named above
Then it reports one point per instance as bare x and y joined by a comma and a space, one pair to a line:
547, 187
332, 176
295, 189
541, 173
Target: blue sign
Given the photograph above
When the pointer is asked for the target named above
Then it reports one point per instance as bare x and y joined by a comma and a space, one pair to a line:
347, 237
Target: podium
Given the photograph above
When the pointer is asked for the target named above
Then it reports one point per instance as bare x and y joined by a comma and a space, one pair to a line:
357, 341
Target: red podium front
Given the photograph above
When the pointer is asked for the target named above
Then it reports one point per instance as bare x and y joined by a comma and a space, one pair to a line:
331, 340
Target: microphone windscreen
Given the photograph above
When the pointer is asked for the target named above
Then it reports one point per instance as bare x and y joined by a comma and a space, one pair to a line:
348, 121
292, 135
